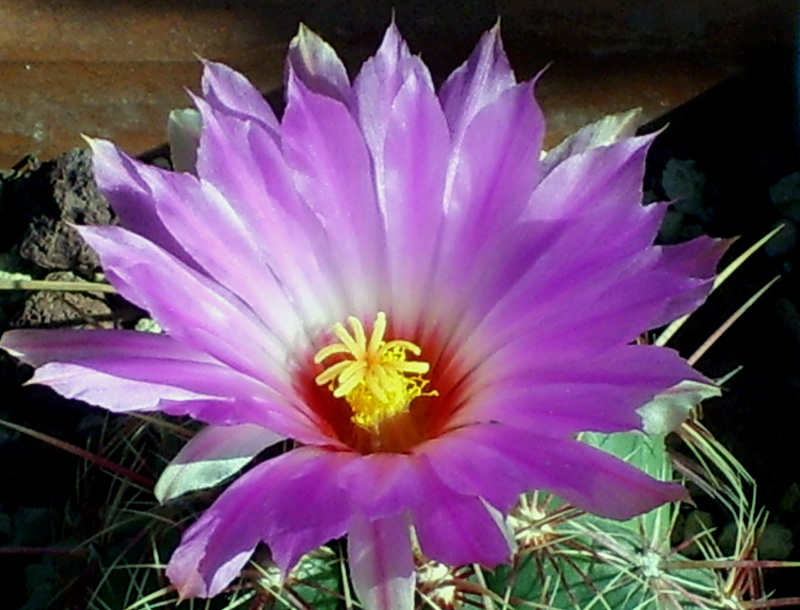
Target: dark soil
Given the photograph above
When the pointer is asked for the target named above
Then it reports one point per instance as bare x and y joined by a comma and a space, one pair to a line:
40, 507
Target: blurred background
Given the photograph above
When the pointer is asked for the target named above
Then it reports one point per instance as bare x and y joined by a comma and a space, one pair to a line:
114, 69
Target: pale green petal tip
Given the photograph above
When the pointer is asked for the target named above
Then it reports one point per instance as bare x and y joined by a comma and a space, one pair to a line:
667, 412
180, 479
183, 132
307, 40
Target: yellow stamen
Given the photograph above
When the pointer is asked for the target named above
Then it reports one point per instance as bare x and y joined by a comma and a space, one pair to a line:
377, 381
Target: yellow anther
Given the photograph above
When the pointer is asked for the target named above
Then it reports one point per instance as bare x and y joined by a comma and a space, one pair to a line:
376, 379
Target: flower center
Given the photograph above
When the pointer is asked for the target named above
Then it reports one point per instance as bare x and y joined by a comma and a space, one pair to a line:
374, 377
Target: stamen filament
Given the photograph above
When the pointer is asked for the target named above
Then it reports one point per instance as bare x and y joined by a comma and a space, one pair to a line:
376, 380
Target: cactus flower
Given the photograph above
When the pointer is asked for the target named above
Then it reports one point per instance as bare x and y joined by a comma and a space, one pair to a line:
399, 282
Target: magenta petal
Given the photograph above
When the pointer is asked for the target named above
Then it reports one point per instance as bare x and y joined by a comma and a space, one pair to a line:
486, 192
188, 305
473, 470
626, 366
417, 147
560, 408
120, 393
37, 347
456, 529
223, 229
488, 184
477, 82
694, 259
562, 295
381, 563
122, 369
584, 476
117, 394
564, 393
125, 182
228, 90
383, 484
606, 178
252, 212
377, 85
287, 502
316, 63
131, 371
608, 130
328, 156
625, 307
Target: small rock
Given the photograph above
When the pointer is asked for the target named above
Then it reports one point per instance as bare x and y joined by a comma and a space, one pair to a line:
784, 243
785, 194
728, 537
776, 542
34, 526
789, 503
685, 184
789, 316
54, 309
39, 206
698, 522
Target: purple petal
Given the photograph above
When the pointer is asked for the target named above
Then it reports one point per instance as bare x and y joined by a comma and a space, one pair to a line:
695, 259
636, 368
607, 178
316, 64
192, 308
492, 176
559, 409
117, 394
228, 90
211, 456
125, 182
37, 347
622, 310
326, 152
477, 82
618, 292
584, 476
251, 212
456, 529
141, 368
214, 233
230, 250
624, 288
473, 470
416, 149
383, 484
409, 142
567, 391
544, 253
131, 371
377, 85
288, 502
608, 130
381, 563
